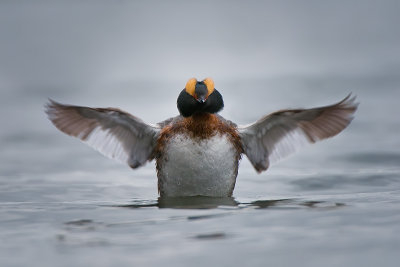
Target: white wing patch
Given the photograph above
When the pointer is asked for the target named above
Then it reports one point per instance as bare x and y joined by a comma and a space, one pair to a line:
290, 143
108, 144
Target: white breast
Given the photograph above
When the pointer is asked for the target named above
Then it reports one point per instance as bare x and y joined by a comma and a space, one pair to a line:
204, 167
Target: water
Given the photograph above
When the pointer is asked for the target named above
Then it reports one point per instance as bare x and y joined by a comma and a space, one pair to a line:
336, 203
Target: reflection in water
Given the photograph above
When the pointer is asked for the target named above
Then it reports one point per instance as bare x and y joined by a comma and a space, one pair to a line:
85, 232
200, 202
196, 202
294, 204
266, 204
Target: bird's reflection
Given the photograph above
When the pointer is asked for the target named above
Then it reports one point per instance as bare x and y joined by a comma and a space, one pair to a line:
201, 202
195, 202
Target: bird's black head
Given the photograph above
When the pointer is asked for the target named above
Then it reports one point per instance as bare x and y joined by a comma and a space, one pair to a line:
198, 97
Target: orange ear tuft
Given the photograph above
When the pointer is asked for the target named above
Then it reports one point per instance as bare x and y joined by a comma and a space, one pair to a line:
191, 86
210, 85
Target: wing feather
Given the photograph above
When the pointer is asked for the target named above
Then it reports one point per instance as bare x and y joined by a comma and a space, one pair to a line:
283, 132
113, 132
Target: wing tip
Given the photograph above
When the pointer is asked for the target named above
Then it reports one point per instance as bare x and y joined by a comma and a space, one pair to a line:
349, 101
350, 104
51, 107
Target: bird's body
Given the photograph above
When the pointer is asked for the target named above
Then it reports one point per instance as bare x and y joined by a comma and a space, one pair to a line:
210, 166
207, 147
198, 152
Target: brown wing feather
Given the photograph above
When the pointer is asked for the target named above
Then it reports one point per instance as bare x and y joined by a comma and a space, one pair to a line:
281, 133
113, 132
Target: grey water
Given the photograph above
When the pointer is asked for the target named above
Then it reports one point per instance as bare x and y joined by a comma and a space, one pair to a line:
335, 203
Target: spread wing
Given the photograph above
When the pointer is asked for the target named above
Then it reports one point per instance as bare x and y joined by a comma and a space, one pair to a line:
113, 132
283, 132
